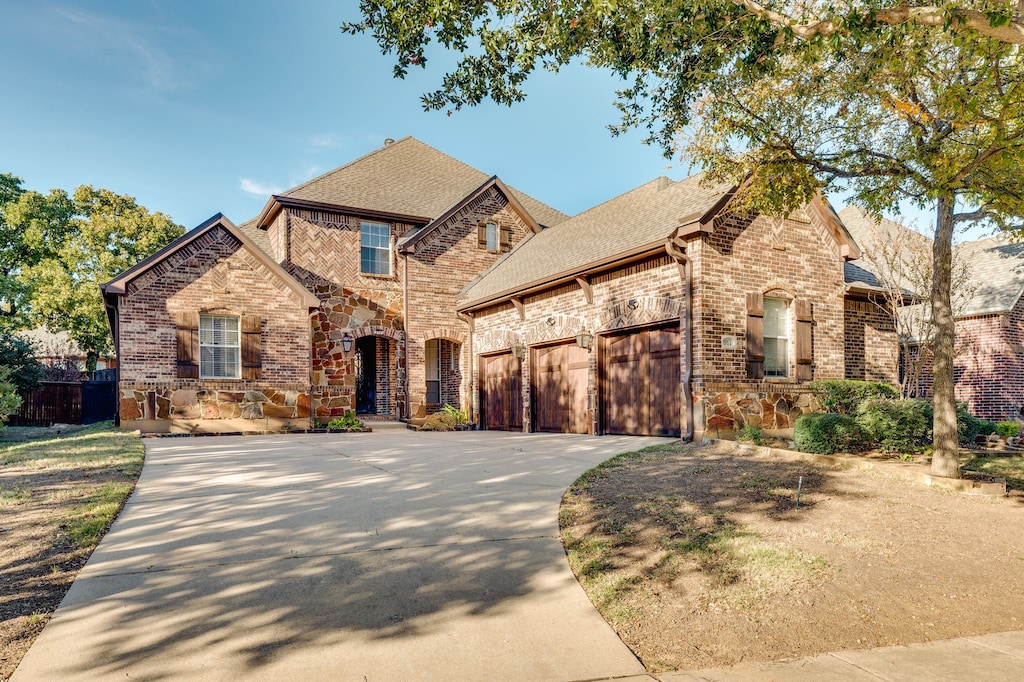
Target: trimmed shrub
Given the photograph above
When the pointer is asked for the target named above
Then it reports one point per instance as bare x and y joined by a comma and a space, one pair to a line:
1008, 429
826, 433
967, 425
843, 396
987, 428
895, 426
348, 421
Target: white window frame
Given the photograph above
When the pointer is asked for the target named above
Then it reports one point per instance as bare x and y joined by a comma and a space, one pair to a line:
223, 341
369, 231
432, 369
782, 335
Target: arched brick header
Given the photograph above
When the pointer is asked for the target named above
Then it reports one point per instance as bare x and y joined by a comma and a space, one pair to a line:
445, 333
553, 328
387, 332
499, 339
645, 310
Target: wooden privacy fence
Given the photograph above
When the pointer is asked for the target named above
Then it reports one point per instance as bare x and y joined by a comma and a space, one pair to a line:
55, 402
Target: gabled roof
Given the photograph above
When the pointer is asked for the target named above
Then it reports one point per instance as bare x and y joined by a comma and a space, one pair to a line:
997, 274
868, 232
408, 242
995, 264
407, 179
119, 284
633, 223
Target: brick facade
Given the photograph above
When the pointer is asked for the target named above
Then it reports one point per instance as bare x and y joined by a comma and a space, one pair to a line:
804, 262
215, 274
989, 368
441, 264
871, 343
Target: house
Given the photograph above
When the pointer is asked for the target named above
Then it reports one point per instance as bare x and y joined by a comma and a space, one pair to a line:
339, 295
989, 365
662, 312
60, 354
407, 280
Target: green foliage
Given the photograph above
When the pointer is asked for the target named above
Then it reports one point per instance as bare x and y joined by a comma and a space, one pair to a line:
986, 428
1010, 468
56, 249
346, 422
458, 416
967, 425
826, 433
895, 425
18, 362
1008, 428
10, 401
843, 396
752, 433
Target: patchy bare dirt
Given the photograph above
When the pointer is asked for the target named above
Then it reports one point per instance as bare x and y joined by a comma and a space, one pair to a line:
37, 562
700, 558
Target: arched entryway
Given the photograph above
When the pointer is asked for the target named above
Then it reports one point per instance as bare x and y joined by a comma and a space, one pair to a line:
442, 372
376, 377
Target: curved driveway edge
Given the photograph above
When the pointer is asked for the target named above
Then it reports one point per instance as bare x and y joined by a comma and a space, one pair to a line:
394, 555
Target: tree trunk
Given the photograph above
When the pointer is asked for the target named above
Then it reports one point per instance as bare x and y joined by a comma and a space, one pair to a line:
944, 458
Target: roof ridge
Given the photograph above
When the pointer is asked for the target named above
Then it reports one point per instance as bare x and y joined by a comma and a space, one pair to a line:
342, 167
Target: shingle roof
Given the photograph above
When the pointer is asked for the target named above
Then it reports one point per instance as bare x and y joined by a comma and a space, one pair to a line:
997, 274
996, 264
644, 216
259, 237
867, 232
410, 178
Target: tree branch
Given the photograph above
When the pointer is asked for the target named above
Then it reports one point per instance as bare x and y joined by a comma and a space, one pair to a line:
957, 19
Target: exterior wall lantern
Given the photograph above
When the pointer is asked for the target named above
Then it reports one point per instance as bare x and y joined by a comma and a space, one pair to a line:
584, 339
346, 343
519, 350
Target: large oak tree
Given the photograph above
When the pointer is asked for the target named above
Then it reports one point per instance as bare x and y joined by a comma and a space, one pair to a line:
892, 101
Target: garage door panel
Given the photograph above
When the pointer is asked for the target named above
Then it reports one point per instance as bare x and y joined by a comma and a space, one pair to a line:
501, 389
559, 392
640, 387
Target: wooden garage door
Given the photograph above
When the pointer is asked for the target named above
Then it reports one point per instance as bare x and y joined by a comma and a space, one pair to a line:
640, 382
559, 390
501, 395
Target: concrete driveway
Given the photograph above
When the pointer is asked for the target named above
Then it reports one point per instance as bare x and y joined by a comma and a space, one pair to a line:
386, 556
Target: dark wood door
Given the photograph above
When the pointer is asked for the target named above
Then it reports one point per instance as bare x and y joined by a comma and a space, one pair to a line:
559, 390
501, 394
640, 383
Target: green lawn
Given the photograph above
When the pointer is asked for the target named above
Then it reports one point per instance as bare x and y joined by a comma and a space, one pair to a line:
1010, 468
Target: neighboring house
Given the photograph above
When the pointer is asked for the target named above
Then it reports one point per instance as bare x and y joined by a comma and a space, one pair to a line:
60, 353
989, 366
339, 296
586, 327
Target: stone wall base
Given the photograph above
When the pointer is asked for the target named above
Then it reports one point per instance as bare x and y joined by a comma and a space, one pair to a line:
173, 404
207, 426
769, 410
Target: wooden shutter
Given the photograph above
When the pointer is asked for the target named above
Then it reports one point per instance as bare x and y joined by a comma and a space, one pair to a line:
506, 237
188, 345
755, 336
804, 349
481, 235
252, 364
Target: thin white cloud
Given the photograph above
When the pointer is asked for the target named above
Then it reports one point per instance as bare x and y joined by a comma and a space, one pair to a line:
162, 58
257, 188
325, 141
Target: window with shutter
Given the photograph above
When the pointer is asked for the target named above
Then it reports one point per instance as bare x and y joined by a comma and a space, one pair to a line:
219, 347
776, 337
506, 238
755, 336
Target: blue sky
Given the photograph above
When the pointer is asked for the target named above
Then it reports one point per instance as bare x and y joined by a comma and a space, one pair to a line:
196, 108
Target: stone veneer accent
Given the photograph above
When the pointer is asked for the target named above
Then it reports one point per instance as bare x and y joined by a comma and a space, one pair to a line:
213, 273
770, 407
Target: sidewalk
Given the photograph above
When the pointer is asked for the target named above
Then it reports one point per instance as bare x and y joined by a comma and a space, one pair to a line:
992, 658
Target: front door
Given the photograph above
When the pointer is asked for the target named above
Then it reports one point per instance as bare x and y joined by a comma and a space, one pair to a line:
366, 375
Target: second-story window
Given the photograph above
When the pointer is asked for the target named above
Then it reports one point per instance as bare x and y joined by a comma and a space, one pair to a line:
375, 251
492, 236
